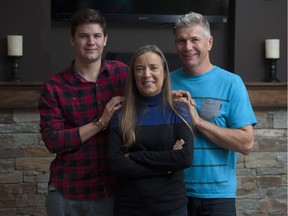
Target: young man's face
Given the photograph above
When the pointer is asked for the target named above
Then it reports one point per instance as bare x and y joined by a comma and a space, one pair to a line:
193, 46
89, 41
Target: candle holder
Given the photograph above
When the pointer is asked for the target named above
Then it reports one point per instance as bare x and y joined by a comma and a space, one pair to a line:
272, 71
15, 69
272, 54
15, 51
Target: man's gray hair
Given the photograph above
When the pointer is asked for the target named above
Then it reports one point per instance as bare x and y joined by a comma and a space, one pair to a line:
191, 19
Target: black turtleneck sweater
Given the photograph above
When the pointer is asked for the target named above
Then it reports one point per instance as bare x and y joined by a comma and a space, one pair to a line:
151, 179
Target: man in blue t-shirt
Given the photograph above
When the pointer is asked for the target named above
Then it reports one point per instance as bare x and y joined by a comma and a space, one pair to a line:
222, 115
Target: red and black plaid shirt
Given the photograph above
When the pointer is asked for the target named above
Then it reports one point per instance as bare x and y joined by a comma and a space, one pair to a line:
79, 170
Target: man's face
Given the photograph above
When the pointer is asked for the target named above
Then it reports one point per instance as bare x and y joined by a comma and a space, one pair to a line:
89, 41
192, 46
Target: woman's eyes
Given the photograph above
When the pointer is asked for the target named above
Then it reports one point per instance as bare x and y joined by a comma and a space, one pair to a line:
139, 69
152, 68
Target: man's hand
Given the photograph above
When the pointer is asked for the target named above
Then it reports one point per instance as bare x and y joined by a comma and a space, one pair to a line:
114, 104
183, 96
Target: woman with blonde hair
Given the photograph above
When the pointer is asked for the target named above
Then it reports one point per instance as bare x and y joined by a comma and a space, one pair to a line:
150, 141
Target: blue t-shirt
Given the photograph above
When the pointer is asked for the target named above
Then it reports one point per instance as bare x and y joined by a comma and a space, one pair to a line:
222, 99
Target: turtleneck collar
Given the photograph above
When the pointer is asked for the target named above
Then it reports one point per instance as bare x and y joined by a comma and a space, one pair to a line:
151, 101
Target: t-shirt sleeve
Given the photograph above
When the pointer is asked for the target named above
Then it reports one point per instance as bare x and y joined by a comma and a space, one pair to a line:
241, 112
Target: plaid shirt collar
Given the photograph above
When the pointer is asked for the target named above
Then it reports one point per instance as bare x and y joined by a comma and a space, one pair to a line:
75, 79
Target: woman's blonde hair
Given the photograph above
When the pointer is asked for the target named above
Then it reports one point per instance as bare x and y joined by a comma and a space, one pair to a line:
128, 118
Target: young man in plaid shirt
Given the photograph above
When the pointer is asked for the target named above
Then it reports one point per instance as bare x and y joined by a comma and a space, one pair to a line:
76, 106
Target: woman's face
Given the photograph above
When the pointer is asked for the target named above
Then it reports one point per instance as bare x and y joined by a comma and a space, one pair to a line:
149, 74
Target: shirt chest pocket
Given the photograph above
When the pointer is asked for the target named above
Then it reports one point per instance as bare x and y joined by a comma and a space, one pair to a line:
210, 109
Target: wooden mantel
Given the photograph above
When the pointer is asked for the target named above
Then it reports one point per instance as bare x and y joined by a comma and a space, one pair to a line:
265, 94
19, 94
26, 94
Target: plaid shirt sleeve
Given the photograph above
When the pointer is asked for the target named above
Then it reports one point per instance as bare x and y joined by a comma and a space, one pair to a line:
56, 137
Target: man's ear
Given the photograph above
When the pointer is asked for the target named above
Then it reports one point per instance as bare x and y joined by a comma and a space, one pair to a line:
106, 39
72, 40
210, 43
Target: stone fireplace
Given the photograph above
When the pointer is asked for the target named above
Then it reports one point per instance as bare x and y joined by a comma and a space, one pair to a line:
24, 160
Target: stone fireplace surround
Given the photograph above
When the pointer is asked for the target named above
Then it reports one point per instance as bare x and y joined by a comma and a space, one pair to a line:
24, 160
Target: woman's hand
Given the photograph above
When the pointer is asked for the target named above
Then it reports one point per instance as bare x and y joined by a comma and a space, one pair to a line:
178, 144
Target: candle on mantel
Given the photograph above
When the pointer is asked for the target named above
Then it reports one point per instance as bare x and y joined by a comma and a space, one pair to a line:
272, 48
14, 45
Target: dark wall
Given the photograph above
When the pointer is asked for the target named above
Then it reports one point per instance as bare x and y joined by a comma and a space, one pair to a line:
123, 39
46, 47
257, 20
30, 18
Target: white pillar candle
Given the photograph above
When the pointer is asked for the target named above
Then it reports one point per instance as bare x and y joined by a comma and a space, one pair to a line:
14, 45
272, 48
